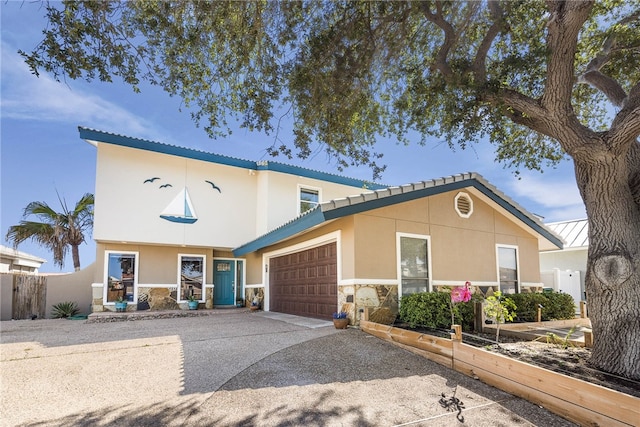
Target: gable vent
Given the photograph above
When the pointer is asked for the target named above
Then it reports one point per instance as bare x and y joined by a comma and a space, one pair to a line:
463, 205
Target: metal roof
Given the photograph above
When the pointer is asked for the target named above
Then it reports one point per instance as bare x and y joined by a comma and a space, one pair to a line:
94, 136
342, 207
575, 233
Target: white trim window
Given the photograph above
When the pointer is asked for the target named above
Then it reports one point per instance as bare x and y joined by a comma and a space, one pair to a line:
414, 263
508, 269
308, 198
191, 276
120, 276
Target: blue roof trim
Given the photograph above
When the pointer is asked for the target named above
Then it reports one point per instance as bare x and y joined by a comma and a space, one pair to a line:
392, 200
159, 147
174, 150
302, 223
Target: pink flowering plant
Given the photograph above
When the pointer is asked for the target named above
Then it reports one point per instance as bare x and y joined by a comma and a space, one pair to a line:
459, 294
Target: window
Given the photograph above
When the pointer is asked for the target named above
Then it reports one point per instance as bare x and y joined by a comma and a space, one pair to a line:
308, 199
508, 269
413, 264
121, 271
239, 279
192, 269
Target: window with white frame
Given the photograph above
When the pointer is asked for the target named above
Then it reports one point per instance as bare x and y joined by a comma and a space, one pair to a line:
191, 279
413, 263
121, 269
508, 269
308, 198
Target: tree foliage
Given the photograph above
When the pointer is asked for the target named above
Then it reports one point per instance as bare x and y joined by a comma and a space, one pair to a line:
56, 231
349, 73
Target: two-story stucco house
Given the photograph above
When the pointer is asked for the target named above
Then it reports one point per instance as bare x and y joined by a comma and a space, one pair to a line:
173, 223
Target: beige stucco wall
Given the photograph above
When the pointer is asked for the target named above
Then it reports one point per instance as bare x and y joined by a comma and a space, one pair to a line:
157, 265
250, 202
280, 191
461, 248
74, 287
6, 295
128, 210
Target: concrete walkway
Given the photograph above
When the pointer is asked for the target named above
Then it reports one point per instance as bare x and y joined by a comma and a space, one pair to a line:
234, 368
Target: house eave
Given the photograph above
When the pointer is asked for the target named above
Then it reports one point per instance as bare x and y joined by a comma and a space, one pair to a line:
95, 137
301, 224
342, 207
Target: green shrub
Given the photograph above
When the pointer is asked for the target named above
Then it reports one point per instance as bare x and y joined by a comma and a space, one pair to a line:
64, 309
431, 309
559, 306
556, 306
466, 311
527, 306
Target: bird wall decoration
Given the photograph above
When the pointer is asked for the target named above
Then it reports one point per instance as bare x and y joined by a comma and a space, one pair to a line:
215, 187
165, 186
151, 179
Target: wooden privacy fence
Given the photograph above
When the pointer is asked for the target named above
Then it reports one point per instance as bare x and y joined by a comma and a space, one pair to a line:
573, 399
29, 296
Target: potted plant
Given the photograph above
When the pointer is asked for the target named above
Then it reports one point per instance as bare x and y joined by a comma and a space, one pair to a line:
341, 320
193, 302
121, 304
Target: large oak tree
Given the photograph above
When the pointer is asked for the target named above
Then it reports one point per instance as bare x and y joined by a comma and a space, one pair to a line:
539, 79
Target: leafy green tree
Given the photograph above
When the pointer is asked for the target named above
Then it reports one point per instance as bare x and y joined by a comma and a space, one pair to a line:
499, 308
56, 231
538, 79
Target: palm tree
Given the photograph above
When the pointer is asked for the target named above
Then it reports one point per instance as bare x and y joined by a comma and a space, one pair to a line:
56, 230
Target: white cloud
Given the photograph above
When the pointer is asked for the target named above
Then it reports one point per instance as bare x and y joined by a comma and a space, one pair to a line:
26, 97
557, 197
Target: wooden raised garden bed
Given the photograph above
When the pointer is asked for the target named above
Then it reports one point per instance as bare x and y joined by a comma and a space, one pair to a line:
576, 400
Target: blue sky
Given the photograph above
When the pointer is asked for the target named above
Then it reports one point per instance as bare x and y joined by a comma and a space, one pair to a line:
41, 152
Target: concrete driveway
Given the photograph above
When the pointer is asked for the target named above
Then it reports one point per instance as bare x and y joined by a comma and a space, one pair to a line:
234, 368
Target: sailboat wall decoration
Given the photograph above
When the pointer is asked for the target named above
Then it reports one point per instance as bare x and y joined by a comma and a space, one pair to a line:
180, 209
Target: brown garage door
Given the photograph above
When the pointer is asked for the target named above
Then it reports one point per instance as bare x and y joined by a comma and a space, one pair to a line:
305, 283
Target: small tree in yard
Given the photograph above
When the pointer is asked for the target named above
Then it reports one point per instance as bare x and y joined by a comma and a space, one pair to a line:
540, 80
499, 308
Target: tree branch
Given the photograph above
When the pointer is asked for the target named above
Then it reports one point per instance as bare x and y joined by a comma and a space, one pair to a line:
605, 84
479, 64
450, 37
522, 110
592, 76
626, 125
564, 25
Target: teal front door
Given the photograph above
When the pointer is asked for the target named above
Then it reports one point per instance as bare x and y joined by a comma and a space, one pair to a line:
224, 273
